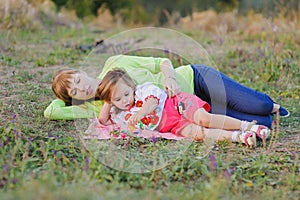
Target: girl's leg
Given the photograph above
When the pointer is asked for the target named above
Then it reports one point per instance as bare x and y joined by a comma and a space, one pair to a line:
265, 120
199, 133
220, 92
216, 121
196, 111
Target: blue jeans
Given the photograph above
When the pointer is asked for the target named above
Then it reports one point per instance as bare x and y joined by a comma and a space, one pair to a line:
228, 97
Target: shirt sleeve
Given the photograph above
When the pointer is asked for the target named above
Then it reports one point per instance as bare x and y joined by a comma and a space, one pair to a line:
148, 90
57, 110
132, 64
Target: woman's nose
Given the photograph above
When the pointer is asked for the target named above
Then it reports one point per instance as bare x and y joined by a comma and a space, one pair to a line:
80, 88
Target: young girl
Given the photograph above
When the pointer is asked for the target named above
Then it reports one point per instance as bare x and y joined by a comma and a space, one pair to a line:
147, 106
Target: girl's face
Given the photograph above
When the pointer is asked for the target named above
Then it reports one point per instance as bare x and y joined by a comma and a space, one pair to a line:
82, 86
122, 96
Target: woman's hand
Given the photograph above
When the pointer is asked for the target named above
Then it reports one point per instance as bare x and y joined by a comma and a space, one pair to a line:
171, 86
170, 83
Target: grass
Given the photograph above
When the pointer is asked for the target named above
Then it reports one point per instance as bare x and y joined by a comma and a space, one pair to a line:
42, 159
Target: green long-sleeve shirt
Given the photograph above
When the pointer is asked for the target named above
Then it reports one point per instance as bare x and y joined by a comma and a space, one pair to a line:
140, 69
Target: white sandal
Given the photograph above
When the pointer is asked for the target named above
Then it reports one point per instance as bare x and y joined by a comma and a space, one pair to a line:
248, 138
261, 131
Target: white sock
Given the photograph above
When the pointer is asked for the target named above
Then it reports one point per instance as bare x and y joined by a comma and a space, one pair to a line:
244, 125
275, 108
234, 136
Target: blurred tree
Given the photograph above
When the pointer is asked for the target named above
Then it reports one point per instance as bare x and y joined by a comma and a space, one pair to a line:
137, 15
226, 5
159, 11
113, 5
60, 3
268, 7
160, 8
82, 7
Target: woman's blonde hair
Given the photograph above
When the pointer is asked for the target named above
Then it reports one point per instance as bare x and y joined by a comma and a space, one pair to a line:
61, 84
108, 83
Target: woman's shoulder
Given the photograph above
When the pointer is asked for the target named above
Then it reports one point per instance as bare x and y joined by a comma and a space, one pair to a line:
122, 57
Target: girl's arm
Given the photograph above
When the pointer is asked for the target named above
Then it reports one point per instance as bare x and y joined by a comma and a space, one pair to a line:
170, 83
147, 108
104, 116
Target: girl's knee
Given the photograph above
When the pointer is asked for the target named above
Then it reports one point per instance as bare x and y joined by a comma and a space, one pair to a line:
194, 132
199, 133
202, 118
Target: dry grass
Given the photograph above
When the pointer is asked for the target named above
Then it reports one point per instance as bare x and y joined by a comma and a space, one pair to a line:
34, 15
227, 22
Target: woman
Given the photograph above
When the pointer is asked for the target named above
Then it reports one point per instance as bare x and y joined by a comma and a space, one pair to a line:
223, 94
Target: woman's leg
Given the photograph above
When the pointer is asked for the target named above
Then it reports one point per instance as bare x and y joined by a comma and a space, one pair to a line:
220, 91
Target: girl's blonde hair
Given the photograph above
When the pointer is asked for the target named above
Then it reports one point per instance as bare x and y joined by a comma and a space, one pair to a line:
109, 82
61, 84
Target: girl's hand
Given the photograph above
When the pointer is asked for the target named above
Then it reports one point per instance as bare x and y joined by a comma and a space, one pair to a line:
104, 115
134, 119
171, 86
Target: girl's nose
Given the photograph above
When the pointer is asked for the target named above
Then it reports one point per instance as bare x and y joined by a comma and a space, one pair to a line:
125, 100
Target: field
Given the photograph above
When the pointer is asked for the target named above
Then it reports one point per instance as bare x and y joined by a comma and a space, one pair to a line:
44, 159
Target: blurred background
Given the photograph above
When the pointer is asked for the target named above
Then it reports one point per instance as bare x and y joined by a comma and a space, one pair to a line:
109, 14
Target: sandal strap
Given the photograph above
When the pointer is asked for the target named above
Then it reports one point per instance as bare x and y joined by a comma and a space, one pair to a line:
250, 125
248, 138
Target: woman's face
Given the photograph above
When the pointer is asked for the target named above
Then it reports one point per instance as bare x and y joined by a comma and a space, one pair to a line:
82, 86
122, 96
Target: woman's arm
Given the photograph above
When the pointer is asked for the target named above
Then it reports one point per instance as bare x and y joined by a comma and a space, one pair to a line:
152, 69
132, 63
57, 110
170, 83
104, 116
147, 108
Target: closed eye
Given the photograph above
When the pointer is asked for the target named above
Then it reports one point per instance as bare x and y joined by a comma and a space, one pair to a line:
77, 80
74, 92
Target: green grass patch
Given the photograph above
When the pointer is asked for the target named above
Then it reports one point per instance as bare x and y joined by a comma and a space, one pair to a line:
43, 159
